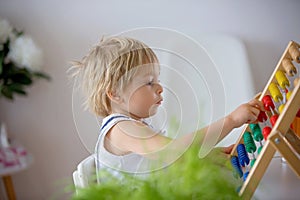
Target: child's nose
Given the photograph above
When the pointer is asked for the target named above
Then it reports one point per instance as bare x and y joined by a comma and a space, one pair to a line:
159, 88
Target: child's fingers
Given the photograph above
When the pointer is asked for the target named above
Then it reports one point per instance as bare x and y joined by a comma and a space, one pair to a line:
255, 102
258, 104
255, 111
252, 118
227, 150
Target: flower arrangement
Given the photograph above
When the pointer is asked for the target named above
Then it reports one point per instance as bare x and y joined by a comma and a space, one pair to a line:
20, 61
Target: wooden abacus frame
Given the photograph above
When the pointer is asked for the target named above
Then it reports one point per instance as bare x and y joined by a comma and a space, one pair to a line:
281, 138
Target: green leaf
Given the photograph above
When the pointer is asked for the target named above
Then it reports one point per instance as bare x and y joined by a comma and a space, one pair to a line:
22, 77
5, 91
41, 75
1, 61
17, 88
6, 48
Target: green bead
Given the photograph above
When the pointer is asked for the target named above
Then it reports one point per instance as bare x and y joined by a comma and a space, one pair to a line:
259, 149
249, 142
252, 127
252, 162
257, 135
256, 130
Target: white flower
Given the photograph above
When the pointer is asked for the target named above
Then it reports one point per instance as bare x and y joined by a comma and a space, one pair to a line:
24, 53
5, 31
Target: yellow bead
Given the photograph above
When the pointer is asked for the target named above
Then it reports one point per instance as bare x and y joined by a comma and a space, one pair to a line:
281, 107
288, 95
282, 79
275, 93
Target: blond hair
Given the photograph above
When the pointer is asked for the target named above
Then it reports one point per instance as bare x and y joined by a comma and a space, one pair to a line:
106, 69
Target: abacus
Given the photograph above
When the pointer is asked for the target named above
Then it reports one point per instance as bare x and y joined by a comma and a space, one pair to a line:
258, 143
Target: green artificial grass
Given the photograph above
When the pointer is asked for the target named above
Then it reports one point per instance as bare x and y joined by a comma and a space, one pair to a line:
187, 178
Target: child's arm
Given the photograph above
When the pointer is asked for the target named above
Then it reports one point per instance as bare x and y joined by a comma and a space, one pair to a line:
136, 137
245, 113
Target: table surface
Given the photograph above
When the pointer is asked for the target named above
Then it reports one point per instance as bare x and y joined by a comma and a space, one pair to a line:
279, 182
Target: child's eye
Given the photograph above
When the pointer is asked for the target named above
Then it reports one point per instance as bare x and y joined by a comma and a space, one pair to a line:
150, 83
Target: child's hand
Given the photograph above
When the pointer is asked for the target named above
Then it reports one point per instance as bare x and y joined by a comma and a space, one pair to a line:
227, 150
246, 113
220, 155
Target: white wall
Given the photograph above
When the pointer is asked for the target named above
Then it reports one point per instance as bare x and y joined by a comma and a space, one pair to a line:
65, 30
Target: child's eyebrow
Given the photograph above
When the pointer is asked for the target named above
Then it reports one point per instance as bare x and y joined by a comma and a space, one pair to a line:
152, 73
151, 76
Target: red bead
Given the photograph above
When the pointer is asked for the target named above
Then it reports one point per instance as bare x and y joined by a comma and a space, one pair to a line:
268, 103
298, 113
262, 116
286, 90
266, 132
273, 119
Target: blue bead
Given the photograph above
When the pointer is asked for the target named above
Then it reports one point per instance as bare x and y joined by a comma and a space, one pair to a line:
242, 155
245, 175
236, 165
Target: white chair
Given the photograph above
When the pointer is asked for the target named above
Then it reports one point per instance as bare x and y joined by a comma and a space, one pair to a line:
85, 174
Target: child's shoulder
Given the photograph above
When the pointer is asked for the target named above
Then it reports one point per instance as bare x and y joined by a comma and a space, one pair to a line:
132, 128
123, 126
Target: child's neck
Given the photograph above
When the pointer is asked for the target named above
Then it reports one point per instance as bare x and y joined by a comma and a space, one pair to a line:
120, 111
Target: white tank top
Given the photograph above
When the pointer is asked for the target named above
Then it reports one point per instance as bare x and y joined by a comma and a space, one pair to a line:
132, 163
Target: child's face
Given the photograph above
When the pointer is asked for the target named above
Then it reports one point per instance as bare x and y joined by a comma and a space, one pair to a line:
142, 96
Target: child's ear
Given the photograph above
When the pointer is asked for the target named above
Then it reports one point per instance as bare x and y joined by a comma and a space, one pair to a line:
113, 96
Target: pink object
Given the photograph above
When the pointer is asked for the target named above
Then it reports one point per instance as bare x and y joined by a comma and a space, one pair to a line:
10, 158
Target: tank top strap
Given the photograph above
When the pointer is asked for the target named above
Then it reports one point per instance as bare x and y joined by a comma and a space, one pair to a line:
111, 120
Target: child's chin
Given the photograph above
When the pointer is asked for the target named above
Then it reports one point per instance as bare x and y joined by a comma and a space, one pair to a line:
153, 111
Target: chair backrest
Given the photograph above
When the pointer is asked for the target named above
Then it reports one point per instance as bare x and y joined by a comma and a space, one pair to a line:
85, 174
